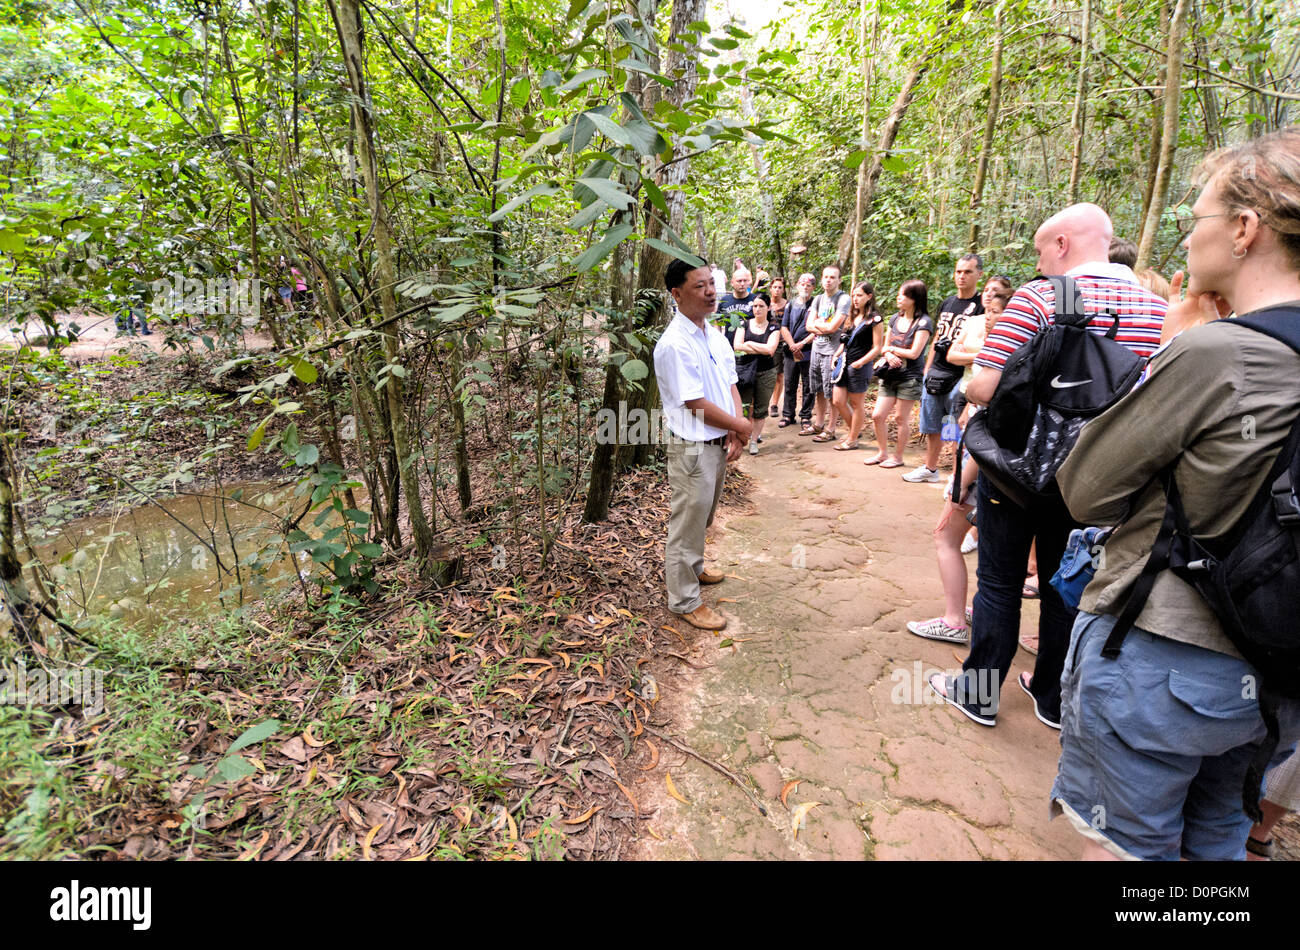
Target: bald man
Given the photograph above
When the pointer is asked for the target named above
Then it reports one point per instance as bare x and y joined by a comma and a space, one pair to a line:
738, 306
1073, 243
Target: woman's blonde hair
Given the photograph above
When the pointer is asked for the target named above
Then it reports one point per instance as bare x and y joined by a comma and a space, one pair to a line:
1263, 175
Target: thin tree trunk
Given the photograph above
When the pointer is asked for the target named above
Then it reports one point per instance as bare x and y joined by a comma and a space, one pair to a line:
1079, 120
683, 68
888, 134
1169, 133
868, 48
347, 20
990, 126
1157, 123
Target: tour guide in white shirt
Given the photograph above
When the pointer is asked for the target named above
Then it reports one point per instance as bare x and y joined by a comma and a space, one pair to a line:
696, 371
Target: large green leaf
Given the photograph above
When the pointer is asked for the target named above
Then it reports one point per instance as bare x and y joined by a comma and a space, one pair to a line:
598, 251
543, 189
608, 191
258, 733
584, 77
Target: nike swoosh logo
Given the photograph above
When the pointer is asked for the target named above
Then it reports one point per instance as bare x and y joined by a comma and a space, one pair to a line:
1057, 384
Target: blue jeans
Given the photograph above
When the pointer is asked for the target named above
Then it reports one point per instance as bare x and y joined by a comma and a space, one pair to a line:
1155, 745
1006, 532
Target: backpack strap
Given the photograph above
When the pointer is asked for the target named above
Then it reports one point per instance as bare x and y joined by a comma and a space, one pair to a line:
1281, 323
1157, 561
1068, 309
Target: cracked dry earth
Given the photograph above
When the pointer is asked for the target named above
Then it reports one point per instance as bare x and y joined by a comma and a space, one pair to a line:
827, 687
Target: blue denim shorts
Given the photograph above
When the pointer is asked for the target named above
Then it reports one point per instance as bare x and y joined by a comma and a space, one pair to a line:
934, 408
1155, 745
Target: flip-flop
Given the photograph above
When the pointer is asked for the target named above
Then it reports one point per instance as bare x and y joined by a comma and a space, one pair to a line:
1030, 648
843, 447
891, 463
874, 461
773, 409
1028, 591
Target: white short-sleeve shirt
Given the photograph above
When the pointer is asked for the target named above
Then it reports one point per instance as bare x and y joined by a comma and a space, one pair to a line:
694, 363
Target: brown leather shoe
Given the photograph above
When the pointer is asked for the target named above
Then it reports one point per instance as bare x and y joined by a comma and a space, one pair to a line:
704, 618
707, 576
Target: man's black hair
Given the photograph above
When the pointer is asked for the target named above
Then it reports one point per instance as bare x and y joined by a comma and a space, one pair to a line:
1123, 252
972, 256
675, 273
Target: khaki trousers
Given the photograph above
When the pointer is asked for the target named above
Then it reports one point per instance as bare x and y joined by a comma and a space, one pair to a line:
696, 471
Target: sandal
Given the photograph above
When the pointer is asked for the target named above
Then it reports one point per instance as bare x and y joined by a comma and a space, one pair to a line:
892, 463
876, 460
773, 409
783, 423
810, 430
845, 446
1260, 849
824, 437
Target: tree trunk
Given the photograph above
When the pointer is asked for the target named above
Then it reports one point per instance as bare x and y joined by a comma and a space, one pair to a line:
649, 284
347, 21
1206, 92
1168, 134
990, 126
868, 48
888, 134
1157, 124
1080, 118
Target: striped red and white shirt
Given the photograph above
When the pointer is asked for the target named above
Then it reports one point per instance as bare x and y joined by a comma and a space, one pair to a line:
1106, 288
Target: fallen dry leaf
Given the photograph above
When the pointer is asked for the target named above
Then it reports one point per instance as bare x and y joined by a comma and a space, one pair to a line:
786, 789
585, 816
312, 741
672, 789
799, 814
369, 839
654, 756
728, 600
636, 809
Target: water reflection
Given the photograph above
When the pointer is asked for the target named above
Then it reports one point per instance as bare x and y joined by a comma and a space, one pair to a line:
179, 558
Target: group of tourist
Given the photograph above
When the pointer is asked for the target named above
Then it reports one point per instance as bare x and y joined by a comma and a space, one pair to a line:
1156, 730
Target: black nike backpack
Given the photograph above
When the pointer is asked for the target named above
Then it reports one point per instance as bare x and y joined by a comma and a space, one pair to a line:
1250, 575
1050, 386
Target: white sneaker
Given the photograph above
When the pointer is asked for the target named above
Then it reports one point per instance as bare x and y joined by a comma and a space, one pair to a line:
938, 629
753, 448
922, 474
969, 543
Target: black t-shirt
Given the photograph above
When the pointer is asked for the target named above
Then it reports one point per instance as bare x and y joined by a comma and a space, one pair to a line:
859, 340
764, 362
953, 314
732, 312
912, 368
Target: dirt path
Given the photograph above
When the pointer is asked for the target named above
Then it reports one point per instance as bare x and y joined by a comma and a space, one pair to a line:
98, 337
827, 687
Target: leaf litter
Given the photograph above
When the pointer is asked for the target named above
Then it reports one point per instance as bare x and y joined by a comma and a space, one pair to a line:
439, 723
